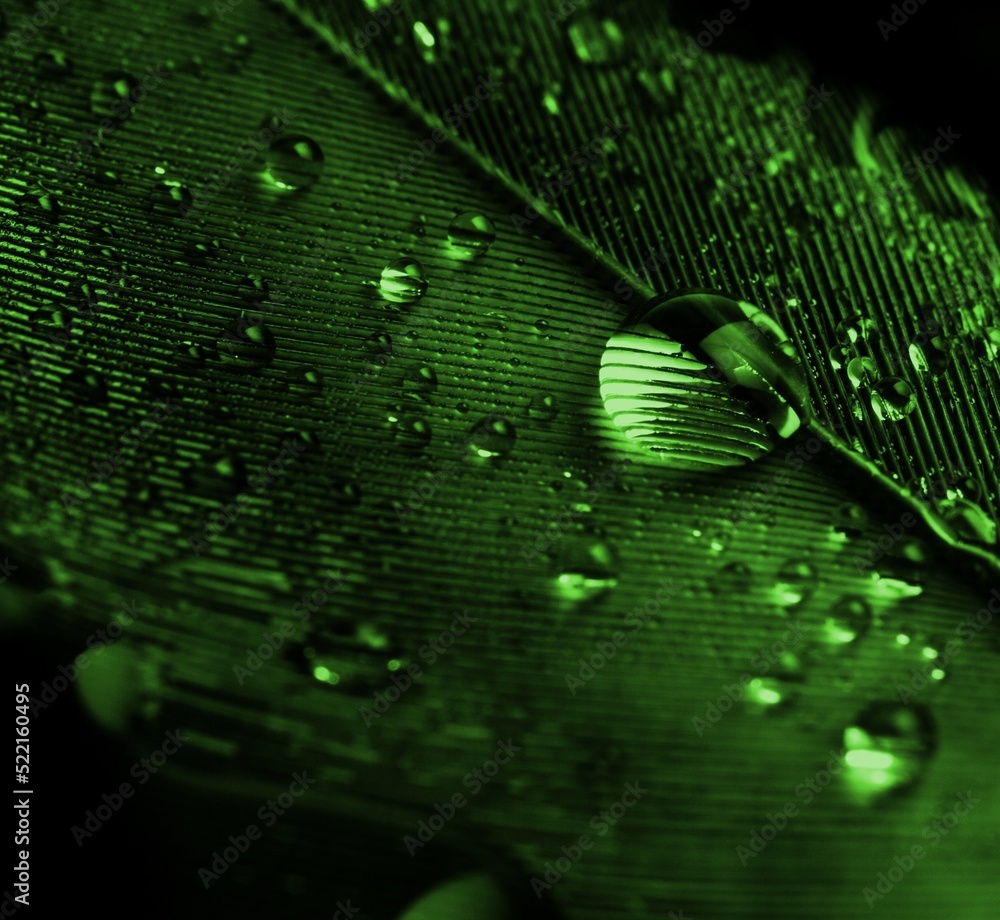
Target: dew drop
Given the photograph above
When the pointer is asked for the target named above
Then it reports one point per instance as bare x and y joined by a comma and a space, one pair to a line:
543, 407
863, 372
110, 92
38, 208
53, 65
246, 346
931, 358
253, 289
796, 582
856, 329
403, 281
169, 199
587, 569
848, 621
306, 381
893, 399
471, 234
492, 438
732, 580
413, 432
887, 748
419, 381
596, 40
294, 162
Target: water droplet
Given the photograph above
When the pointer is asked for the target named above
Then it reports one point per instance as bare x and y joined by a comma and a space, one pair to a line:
294, 161
969, 520
471, 234
110, 92
202, 250
893, 399
189, 353
542, 407
355, 657
246, 346
596, 40
839, 356
431, 39
306, 381
253, 289
419, 381
216, 476
403, 281
796, 582
586, 569
849, 620
850, 520
413, 432
988, 344
888, 746
931, 358
88, 387
856, 329
863, 372
493, 438
732, 580
53, 65
779, 687
38, 209
168, 199
346, 493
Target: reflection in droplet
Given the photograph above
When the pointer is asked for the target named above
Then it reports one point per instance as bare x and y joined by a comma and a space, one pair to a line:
732, 580
795, 583
587, 569
246, 345
113, 94
856, 329
863, 372
969, 520
419, 381
543, 407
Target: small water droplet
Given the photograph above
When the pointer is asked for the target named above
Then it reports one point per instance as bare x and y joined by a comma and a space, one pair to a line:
587, 569
88, 387
168, 198
419, 381
294, 162
596, 40
253, 289
839, 356
403, 281
493, 438
732, 580
893, 399
306, 381
38, 209
471, 234
796, 582
888, 746
543, 407
111, 92
848, 621
856, 329
246, 346
53, 65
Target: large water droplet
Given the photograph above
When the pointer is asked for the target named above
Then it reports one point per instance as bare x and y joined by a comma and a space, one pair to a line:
492, 438
893, 399
863, 372
294, 161
471, 234
969, 520
403, 281
888, 746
